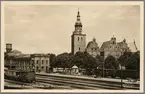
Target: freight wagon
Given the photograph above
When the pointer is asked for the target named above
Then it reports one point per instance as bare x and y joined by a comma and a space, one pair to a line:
23, 76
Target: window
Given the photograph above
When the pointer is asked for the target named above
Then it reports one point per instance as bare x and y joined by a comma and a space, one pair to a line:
95, 48
46, 69
92, 49
37, 68
102, 54
46, 61
42, 61
81, 38
79, 48
78, 38
37, 61
42, 68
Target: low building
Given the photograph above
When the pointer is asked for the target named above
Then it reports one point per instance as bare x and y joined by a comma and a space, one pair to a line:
41, 62
15, 59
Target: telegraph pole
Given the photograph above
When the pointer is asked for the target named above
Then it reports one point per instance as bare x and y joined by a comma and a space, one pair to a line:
121, 78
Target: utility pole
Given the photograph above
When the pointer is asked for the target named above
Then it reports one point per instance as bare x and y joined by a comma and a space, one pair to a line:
121, 78
103, 69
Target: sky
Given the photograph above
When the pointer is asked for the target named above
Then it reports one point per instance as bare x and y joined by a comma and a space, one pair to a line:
48, 28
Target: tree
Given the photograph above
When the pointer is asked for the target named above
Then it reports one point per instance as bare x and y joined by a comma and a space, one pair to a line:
62, 60
52, 60
130, 60
99, 61
78, 59
134, 61
111, 63
123, 59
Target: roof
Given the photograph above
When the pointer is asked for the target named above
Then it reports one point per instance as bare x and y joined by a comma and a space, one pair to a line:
23, 56
40, 55
105, 44
74, 67
119, 44
93, 42
90, 43
15, 51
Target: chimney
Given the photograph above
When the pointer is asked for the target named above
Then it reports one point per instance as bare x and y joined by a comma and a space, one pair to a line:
8, 47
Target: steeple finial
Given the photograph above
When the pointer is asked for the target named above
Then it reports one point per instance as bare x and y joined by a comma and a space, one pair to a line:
135, 44
78, 16
94, 39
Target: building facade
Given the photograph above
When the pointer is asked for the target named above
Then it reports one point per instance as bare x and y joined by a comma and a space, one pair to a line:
93, 48
78, 39
15, 60
114, 48
41, 62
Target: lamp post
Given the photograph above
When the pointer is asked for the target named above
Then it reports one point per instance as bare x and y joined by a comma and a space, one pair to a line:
103, 69
121, 78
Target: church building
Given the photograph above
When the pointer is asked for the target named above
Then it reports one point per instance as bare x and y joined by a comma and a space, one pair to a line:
78, 39
111, 47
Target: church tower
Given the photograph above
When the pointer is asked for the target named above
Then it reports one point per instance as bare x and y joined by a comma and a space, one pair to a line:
78, 39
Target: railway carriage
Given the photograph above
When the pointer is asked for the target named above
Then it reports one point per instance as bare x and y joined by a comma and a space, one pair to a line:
23, 76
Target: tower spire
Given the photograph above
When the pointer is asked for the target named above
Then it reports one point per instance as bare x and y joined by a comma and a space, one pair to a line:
78, 24
78, 16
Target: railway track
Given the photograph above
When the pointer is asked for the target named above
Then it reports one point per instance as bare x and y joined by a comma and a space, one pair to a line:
80, 83
17, 84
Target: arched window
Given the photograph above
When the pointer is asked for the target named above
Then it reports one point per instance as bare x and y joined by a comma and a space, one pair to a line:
78, 38
81, 38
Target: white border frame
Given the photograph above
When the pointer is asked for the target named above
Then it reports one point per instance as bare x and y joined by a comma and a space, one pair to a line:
141, 3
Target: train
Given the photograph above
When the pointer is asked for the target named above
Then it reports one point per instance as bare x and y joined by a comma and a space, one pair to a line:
19, 75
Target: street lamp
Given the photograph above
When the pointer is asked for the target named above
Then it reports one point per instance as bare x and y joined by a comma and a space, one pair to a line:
121, 78
103, 69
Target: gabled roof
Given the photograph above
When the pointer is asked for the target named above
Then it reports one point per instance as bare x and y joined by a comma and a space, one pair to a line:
14, 53
90, 43
105, 44
119, 44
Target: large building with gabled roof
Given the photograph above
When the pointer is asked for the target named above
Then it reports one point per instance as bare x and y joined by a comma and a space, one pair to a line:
111, 47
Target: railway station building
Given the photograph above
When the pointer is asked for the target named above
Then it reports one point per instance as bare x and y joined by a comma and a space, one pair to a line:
16, 60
